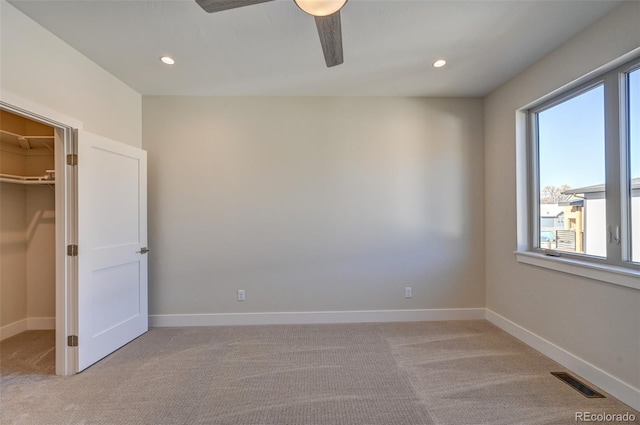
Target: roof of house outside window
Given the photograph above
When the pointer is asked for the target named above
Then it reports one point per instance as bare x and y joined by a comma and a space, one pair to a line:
635, 184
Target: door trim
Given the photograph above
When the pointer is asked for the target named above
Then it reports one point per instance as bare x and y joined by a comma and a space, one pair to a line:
65, 211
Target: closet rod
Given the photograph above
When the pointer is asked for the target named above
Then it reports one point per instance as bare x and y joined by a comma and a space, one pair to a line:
48, 178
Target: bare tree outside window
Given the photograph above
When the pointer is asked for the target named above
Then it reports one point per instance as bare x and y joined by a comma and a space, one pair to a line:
554, 194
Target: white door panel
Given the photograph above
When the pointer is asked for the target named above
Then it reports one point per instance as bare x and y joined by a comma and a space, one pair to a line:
112, 229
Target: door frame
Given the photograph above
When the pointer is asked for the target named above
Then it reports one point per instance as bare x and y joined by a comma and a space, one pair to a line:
66, 222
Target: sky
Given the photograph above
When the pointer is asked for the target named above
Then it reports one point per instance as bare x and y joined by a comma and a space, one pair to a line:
571, 138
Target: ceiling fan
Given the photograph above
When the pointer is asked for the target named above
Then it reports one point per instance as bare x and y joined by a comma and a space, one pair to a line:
325, 12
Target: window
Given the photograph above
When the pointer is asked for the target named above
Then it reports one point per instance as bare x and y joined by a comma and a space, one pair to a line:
584, 171
633, 118
571, 173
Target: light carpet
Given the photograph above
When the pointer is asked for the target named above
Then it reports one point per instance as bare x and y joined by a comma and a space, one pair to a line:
420, 373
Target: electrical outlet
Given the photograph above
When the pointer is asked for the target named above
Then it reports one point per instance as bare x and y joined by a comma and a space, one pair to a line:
408, 292
240, 294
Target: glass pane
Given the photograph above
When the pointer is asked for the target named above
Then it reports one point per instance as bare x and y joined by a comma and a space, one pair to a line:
572, 175
634, 162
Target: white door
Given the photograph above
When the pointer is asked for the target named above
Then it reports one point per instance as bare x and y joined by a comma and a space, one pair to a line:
112, 239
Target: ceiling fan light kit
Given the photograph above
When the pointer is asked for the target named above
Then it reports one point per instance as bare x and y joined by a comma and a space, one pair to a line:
320, 7
325, 12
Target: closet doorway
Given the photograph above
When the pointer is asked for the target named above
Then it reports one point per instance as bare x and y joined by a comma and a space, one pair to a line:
27, 245
96, 239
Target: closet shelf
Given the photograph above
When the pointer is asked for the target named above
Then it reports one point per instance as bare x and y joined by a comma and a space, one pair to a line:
26, 142
48, 178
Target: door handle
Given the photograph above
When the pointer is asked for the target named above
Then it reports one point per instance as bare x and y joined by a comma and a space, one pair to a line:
143, 250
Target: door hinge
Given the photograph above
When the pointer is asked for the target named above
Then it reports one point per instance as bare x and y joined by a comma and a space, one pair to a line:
72, 250
72, 340
72, 159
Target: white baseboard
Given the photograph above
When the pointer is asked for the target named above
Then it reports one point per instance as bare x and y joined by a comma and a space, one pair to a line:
28, 324
310, 317
7, 331
607, 382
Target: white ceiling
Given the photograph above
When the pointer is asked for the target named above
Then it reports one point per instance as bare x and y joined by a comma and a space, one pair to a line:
273, 48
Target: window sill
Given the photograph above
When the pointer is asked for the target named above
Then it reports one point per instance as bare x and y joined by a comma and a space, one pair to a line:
616, 275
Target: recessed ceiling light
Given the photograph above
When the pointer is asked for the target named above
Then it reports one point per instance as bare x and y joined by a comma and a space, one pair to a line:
167, 60
439, 63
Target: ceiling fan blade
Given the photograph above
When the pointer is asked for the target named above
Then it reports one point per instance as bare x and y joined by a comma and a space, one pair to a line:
213, 6
330, 32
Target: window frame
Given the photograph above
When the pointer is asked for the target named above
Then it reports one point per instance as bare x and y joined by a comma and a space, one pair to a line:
625, 157
618, 195
533, 180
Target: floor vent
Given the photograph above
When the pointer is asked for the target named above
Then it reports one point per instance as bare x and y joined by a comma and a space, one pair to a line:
577, 385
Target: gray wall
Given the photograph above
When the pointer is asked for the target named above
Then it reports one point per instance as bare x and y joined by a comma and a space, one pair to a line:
42, 69
596, 321
314, 204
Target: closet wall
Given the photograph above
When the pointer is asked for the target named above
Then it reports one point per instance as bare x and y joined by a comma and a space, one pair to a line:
27, 228
41, 236
13, 239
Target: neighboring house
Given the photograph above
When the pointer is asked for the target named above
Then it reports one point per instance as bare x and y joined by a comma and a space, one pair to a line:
561, 226
593, 212
551, 220
572, 238
551, 216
